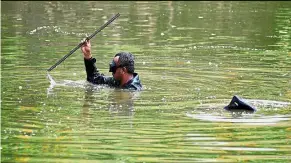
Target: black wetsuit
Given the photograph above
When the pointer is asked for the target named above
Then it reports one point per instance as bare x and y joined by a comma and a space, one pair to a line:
95, 77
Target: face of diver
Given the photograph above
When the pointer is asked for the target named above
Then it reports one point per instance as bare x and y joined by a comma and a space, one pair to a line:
117, 70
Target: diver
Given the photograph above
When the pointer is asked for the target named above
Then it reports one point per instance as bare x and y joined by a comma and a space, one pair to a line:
122, 68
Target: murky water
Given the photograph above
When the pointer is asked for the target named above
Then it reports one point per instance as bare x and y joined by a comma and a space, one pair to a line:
192, 57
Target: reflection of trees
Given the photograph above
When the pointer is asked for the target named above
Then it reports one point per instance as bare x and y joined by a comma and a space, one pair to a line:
244, 24
220, 18
118, 102
226, 19
232, 23
283, 30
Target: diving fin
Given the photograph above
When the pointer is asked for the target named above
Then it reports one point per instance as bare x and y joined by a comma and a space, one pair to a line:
239, 104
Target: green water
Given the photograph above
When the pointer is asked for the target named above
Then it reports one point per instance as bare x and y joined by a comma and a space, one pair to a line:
192, 57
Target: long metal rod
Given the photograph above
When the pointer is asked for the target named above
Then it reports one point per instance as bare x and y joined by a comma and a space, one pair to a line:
88, 38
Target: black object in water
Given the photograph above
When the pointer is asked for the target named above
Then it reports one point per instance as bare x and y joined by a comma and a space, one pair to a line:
239, 104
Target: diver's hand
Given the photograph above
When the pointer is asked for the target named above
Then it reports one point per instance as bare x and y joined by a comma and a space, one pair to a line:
86, 49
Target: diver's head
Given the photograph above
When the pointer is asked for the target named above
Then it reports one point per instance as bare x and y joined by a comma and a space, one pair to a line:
123, 62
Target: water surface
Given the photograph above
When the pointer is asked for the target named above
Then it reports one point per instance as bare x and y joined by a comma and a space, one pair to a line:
192, 57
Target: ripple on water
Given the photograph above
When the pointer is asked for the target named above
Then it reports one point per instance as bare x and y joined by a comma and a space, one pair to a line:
216, 113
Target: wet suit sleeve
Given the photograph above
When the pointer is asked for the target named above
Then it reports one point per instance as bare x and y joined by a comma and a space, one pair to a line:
94, 76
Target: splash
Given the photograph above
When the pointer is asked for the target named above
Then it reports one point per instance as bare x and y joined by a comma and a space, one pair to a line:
52, 84
198, 47
71, 84
216, 113
57, 29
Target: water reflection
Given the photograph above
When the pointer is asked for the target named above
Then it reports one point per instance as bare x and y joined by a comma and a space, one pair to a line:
119, 102
248, 120
187, 53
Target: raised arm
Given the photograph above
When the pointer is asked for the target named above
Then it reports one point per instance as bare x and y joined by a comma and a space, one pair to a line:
86, 49
93, 74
